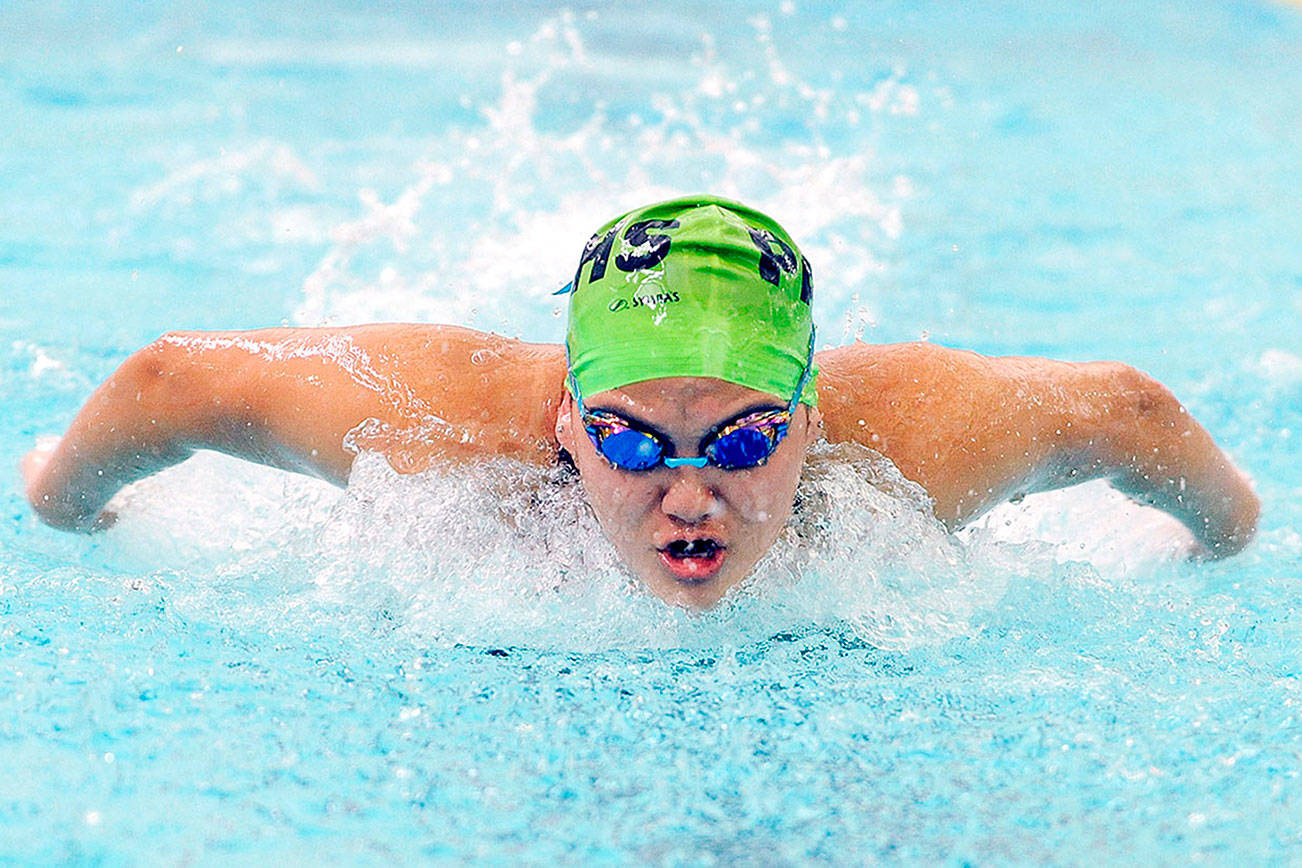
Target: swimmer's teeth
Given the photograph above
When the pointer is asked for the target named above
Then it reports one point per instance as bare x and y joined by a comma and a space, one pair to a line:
697, 548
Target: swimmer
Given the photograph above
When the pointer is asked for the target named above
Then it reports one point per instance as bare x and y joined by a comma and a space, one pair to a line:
687, 394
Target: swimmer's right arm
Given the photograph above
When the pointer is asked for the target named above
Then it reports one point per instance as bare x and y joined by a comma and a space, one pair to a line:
288, 398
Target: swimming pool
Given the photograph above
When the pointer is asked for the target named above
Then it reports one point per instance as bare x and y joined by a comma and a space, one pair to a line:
253, 666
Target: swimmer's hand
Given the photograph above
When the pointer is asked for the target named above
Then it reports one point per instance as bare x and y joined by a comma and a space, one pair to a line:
33, 467
33, 463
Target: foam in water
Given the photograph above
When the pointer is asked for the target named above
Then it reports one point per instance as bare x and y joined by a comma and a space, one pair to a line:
520, 557
509, 554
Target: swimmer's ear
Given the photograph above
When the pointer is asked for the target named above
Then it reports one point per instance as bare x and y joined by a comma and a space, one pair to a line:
565, 423
813, 425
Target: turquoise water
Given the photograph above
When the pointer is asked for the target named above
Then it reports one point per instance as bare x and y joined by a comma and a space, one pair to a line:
253, 665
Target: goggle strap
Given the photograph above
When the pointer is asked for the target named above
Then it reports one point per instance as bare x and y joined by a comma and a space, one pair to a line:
574, 382
804, 375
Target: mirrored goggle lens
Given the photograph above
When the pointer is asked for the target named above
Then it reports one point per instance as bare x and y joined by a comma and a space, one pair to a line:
631, 450
744, 447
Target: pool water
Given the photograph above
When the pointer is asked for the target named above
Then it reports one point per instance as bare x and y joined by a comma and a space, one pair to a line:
253, 665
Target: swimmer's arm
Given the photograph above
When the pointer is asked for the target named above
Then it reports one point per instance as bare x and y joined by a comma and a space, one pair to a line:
1147, 445
977, 431
288, 398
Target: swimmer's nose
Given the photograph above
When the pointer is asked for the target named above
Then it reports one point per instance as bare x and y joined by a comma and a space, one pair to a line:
689, 499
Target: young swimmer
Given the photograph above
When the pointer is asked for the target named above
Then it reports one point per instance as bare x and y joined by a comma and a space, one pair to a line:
687, 394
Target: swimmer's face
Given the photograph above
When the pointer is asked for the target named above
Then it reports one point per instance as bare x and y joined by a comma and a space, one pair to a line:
689, 533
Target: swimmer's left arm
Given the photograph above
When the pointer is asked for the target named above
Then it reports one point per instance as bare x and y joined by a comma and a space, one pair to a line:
1139, 437
976, 431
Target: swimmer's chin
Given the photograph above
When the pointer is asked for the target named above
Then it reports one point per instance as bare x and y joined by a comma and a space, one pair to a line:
694, 599
694, 593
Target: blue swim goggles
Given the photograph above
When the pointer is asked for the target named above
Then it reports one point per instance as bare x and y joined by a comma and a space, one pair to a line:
738, 444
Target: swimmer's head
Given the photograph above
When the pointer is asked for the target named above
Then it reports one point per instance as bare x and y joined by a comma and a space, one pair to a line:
693, 287
690, 341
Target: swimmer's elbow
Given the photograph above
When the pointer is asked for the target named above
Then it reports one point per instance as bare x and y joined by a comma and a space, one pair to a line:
1120, 413
1126, 395
171, 372
177, 396
152, 371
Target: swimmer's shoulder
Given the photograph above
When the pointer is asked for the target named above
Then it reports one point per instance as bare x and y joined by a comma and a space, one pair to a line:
483, 358
910, 401
501, 393
435, 343
862, 374
906, 374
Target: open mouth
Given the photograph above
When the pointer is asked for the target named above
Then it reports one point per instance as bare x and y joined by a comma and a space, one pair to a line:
693, 560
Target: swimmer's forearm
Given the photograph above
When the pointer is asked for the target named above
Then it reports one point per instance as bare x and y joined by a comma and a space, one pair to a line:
1152, 449
157, 409
119, 436
77, 482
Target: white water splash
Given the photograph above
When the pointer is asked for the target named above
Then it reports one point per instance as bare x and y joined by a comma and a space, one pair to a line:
530, 189
509, 554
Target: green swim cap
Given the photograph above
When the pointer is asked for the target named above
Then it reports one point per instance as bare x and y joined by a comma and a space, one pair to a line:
693, 287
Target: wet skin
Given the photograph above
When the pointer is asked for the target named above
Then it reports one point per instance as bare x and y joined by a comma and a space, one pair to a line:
972, 430
732, 516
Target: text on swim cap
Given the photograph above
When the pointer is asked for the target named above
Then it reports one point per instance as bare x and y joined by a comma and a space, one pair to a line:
771, 263
656, 300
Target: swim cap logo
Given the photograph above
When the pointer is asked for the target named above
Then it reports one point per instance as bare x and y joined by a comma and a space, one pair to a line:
597, 250
774, 263
656, 300
776, 258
